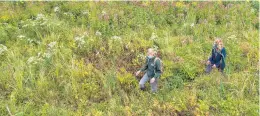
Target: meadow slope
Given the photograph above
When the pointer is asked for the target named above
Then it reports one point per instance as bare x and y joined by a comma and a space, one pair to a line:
79, 58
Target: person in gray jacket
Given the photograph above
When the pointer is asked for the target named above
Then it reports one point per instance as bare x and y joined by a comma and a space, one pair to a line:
152, 69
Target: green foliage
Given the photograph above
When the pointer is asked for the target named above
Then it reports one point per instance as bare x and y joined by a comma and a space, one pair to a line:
79, 58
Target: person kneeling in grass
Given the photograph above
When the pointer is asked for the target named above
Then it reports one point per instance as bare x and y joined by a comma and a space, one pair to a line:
217, 58
153, 70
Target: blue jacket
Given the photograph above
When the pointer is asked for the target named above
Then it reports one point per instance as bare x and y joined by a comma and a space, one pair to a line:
218, 58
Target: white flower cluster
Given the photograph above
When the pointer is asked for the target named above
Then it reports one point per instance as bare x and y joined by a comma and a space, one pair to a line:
21, 36
154, 36
3, 48
68, 13
104, 12
40, 56
116, 38
232, 39
155, 48
98, 33
192, 24
51, 45
40, 16
39, 20
86, 12
56, 9
142, 56
47, 54
80, 40
31, 60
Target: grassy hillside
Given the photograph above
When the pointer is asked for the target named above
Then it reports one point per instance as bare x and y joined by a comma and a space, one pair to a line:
79, 58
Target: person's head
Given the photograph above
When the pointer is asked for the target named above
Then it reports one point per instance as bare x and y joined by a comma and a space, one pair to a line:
151, 52
217, 42
220, 45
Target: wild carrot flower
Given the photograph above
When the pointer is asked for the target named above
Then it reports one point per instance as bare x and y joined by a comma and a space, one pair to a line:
98, 33
40, 16
56, 9
3, 48
52, 44
68, 13
116, 38
47, 55
192, 24
21, 36
31, 60
153, 36
80, 40
86, 12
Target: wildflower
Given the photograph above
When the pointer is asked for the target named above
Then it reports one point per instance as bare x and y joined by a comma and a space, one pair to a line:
232, 37
52, 44
68, 13
252, 10
85, 12
153, 37
80, 40
2, 48
33, 23
85, 33
116, 38
39, 54
155, 48
21, 36
97, 53
194, 3
98, 33
29, 40
38, 42
47, 55
104, 12
142, 56
40, 16
179, 4
31, 60
56, 9
5, 24
26, 25
192, 24
44, 23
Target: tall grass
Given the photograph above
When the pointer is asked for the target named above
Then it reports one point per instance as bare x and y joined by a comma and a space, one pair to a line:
79, 58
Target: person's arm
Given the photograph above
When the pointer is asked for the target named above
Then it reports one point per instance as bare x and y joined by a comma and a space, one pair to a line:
145, 66
158, 70
211, 57
223, 53
223, 56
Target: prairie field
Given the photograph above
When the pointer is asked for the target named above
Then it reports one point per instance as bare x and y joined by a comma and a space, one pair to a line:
79, 58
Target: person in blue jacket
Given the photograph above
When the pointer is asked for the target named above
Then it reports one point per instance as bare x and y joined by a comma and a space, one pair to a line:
217, 58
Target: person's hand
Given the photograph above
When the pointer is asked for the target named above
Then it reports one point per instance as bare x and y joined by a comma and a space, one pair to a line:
208, 62
137, 73
152, 80
214, 66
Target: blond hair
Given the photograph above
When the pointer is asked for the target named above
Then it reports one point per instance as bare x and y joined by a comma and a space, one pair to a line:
219, 43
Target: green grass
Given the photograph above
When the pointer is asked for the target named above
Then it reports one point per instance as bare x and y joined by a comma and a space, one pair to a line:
79, 58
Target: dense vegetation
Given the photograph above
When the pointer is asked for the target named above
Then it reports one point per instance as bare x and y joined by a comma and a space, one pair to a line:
79, 58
